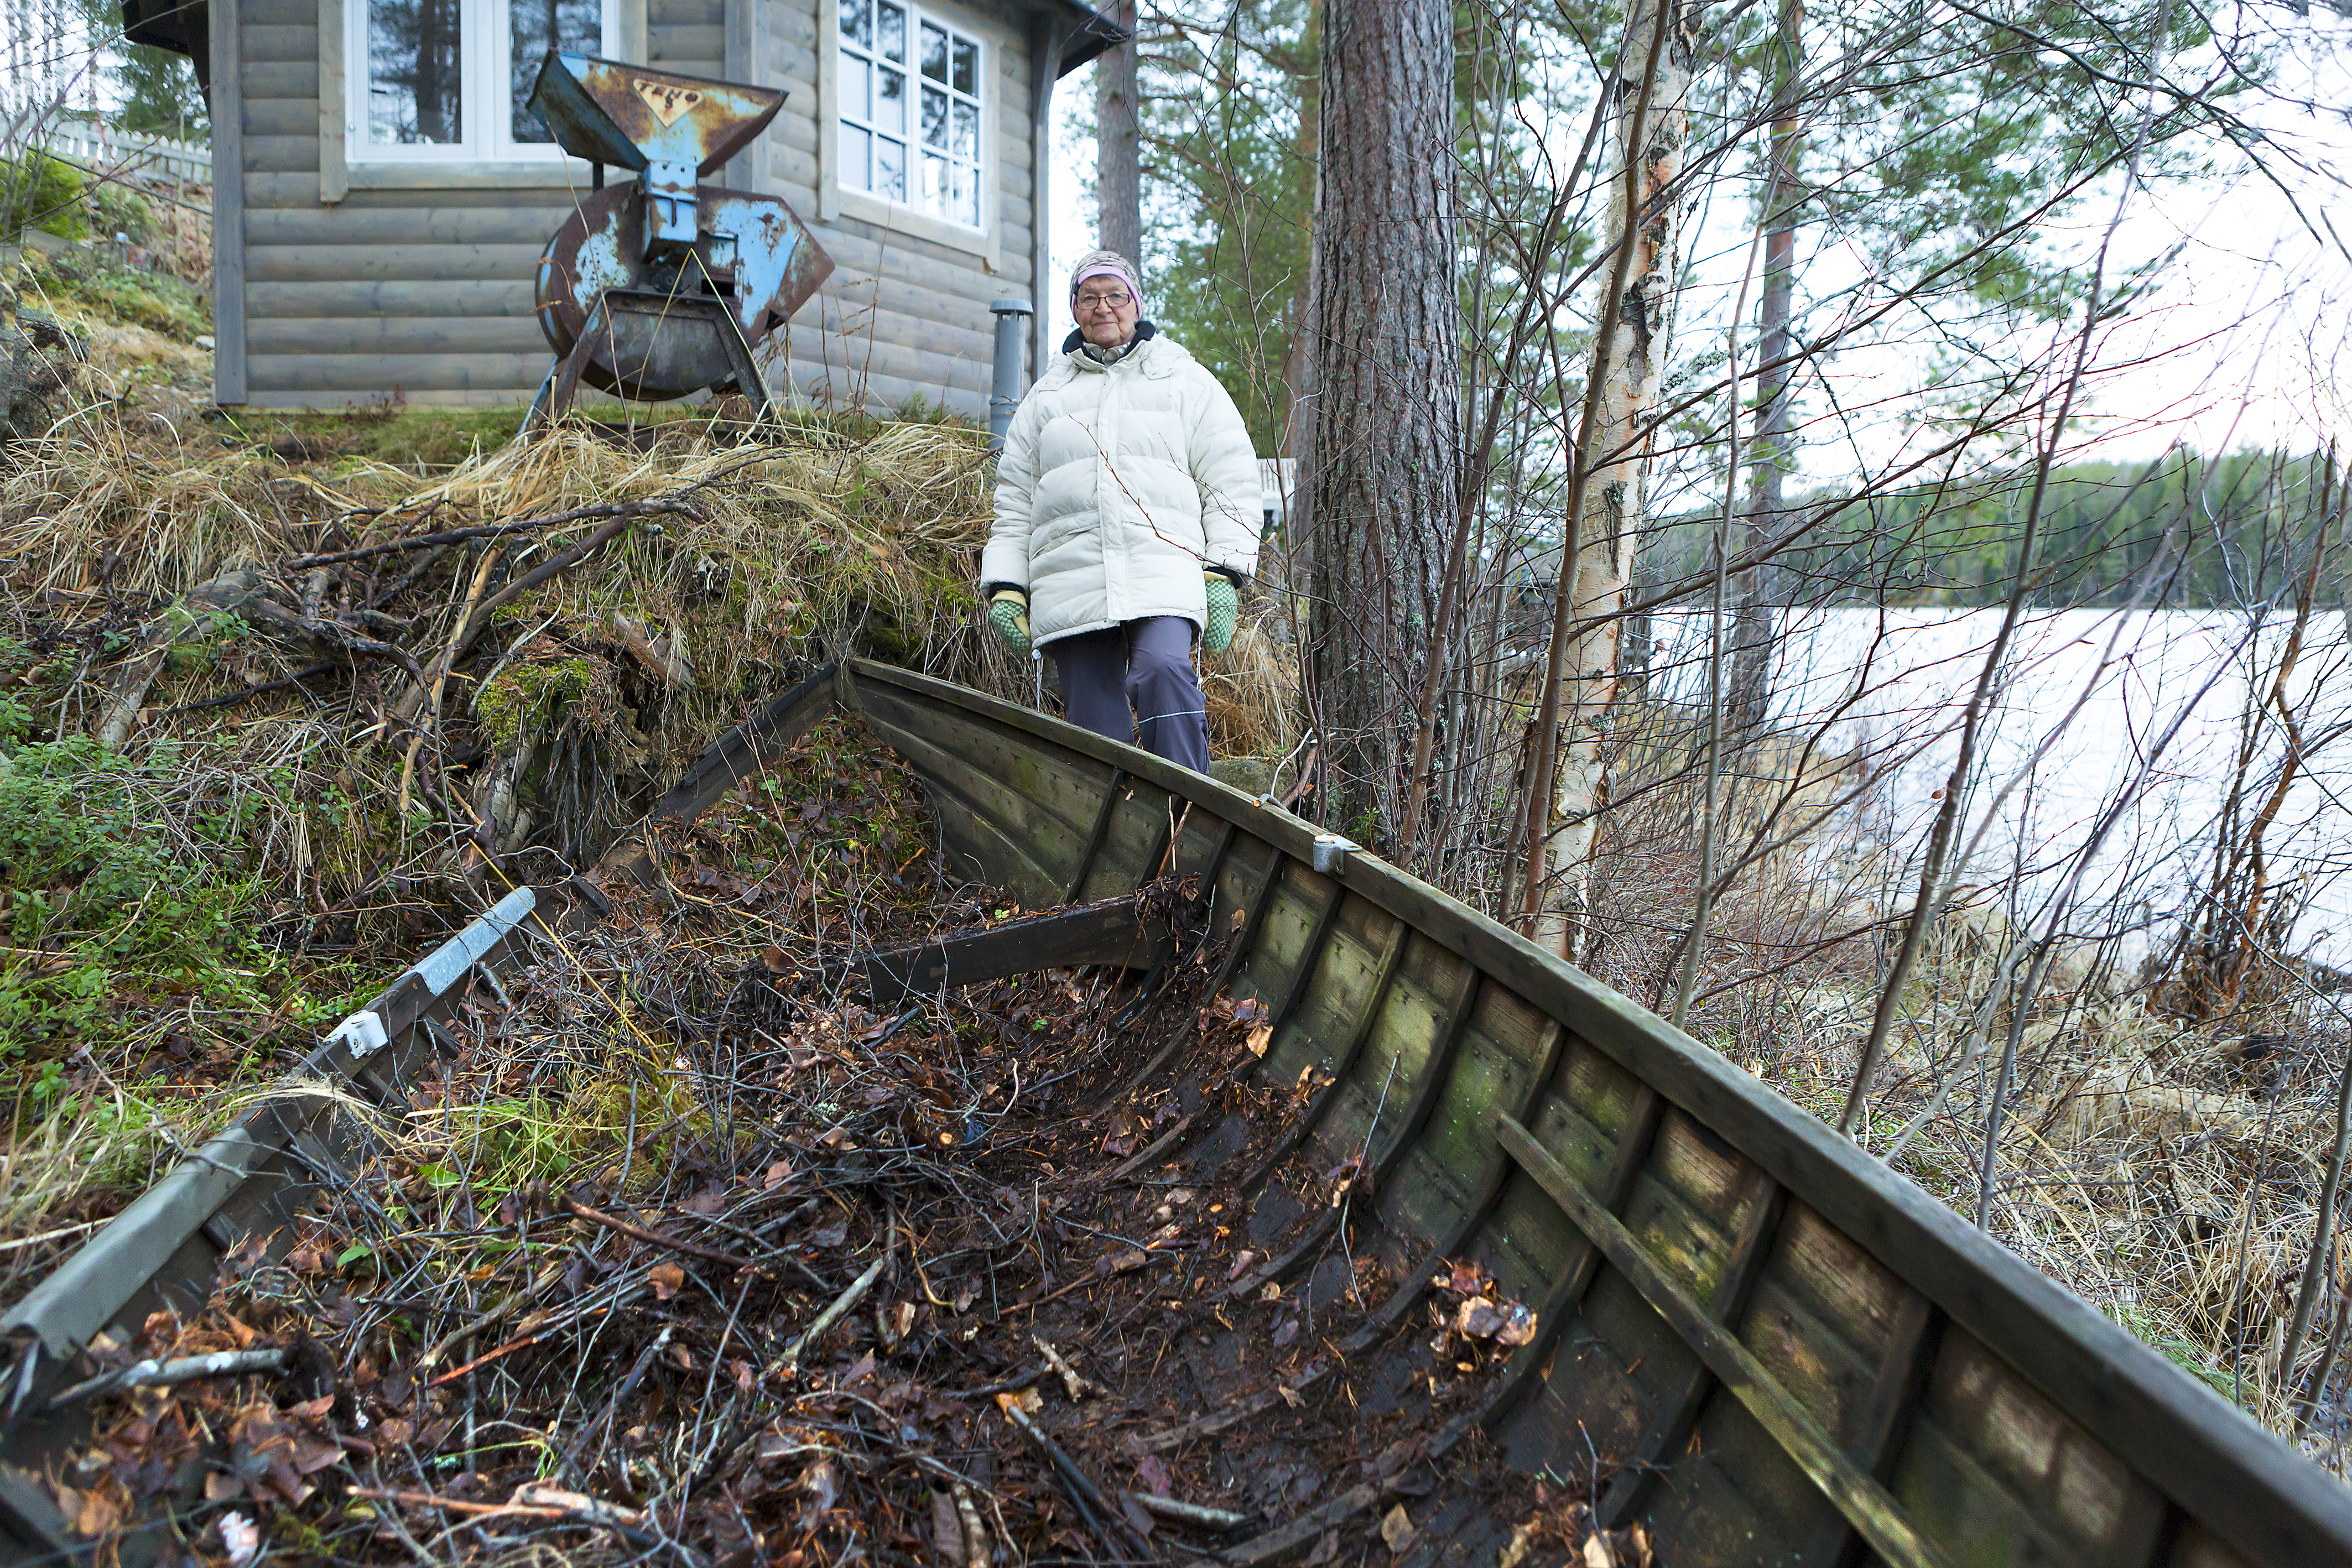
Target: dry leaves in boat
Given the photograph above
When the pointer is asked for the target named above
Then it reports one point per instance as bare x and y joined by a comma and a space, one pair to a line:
1478, 1310
1540, 1539
1247, 1022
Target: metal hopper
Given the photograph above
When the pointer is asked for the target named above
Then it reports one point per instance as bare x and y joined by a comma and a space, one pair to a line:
663, 285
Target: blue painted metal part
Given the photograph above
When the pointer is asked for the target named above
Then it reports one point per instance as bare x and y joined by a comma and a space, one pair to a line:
610, 112
672, 129
751, 256
663, 286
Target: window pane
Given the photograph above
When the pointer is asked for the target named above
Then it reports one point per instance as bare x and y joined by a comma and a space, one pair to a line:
893, 32
533, 28
967, 68
858, 23
890, 101
854, 101
853, 158
964, 203
935, 53
935, 182
415, 72
890, 169
964, 138
935, 118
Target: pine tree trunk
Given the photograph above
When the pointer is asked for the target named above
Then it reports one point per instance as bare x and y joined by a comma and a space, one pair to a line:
1299, 362
1628, 362
1118, 144
1385, 432
1750, 693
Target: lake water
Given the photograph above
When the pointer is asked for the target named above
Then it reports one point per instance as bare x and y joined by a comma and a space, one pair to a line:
2093, 707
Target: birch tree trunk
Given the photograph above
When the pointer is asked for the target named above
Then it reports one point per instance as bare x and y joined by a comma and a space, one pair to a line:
1629, 359
1118, 144
1385, 435
1752, 632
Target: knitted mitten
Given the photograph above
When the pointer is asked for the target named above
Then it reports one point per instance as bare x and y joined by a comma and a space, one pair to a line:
1225, 610
1008, 612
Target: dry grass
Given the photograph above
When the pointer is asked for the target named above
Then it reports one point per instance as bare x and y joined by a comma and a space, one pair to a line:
839, 537
302, 817
335, 834
1254, 708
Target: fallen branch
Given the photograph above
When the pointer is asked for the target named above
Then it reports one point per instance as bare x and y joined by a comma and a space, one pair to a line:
227, 595
1107, 1521
528, 1503
691, 1249
1018, 1381
460, 536
522, 1342
1073, 1380
457, 1504
833, 1313
404, 711
245, 694
503, 1310
550, 1506
975, 1532
1190, 1513
334, 634
603, 1418
163, 1374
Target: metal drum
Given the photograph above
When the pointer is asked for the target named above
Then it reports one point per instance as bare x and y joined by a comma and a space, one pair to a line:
751, 257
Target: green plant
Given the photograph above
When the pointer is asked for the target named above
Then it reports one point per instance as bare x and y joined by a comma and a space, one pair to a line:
95, 904
532, 697
111, 209
39, 192
155, 301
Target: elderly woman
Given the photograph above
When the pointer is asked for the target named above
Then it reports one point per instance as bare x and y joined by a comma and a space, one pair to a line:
1126, 520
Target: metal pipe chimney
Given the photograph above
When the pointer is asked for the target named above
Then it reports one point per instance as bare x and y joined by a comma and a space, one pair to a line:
1004, 392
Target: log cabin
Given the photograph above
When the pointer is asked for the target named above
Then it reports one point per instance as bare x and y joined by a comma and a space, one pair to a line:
382, 194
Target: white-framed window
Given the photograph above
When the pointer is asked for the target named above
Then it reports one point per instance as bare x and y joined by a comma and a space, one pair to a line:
911, 104
432, 81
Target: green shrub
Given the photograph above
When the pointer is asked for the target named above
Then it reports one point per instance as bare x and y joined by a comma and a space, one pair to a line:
110, 209
37, 192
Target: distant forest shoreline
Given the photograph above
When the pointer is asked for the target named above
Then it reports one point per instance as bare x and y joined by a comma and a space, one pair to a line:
2217, 523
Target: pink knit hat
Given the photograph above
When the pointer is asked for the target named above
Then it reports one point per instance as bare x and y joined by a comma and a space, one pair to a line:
1105, 263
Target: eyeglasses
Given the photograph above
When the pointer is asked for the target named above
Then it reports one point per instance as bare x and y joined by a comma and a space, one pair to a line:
1116, 301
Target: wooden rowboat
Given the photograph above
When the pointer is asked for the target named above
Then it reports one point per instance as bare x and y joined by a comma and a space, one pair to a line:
1791, 1355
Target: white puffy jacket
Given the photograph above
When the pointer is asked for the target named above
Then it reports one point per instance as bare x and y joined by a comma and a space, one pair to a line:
1118, 485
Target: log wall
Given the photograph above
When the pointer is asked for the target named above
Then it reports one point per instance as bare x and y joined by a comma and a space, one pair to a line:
355, 291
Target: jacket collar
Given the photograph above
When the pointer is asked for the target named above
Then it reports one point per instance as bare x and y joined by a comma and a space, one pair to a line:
1074, 351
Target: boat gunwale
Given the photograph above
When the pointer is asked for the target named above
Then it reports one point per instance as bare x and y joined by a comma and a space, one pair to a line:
2209, 1457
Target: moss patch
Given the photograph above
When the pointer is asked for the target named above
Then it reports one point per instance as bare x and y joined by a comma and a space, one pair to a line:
95, 905
155, 300
532, 697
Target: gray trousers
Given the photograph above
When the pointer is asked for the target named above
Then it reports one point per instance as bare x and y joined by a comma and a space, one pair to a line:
1135, 682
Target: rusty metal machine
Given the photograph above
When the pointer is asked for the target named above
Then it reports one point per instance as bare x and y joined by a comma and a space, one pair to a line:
663, 285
